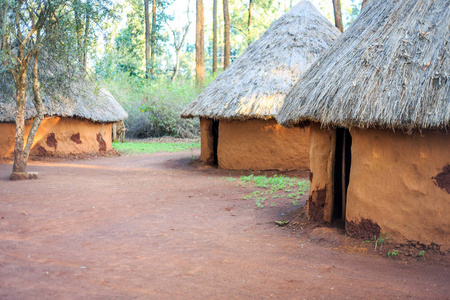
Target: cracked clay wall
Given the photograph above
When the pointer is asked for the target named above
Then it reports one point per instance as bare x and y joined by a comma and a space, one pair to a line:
60, 136
398, 181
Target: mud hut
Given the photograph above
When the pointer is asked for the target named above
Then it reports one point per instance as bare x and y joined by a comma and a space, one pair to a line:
236, 111
76, 121
379, 103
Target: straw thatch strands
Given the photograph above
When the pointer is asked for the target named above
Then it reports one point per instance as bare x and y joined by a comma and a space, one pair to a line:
83, 100
256, 83
390, 69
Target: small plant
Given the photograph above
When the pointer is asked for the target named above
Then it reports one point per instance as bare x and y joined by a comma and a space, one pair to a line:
294, 202
378, 241
422, 253
275, 186
231, 179
393, 253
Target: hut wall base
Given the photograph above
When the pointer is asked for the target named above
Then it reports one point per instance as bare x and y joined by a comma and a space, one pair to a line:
392, 183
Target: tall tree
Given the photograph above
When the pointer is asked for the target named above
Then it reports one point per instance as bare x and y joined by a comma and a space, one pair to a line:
338, 15
153, 40
179, 37
200, 46
31, 27
250, 6
147, 37
214, 37
226, 40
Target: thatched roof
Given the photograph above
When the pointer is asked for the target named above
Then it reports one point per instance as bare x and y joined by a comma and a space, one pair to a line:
83, 100
256, 83
390, 69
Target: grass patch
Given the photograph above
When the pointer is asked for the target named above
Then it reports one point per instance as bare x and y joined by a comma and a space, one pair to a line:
149, 148
275, 187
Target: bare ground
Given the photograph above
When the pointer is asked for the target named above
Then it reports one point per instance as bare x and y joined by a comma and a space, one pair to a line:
162, 227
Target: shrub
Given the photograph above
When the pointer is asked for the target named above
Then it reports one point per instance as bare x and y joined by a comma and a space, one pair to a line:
154, 106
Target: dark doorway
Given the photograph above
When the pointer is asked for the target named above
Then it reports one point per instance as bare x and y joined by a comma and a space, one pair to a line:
215, 135
342, 163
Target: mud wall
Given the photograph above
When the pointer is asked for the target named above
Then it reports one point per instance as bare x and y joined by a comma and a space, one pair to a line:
60, 136
262, 145
206, 141
395, 181
320, 200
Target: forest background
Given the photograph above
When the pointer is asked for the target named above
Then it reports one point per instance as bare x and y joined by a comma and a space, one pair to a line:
144, 51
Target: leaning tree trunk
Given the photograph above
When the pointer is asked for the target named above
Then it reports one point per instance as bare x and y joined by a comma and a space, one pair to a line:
86, 40
227, 50
338, 15
22, 153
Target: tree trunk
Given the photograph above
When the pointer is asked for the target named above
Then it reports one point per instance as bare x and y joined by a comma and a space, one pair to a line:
250, 6
153, 41
147, 37
227, 50
364, 2
3, 22
177, 64
20, 80
199, 46
338, 15
214, 37
37, 101
79, 29
86, 40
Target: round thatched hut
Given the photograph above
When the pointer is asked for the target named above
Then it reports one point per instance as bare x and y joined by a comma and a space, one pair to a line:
379, 103
79, 122
238, 129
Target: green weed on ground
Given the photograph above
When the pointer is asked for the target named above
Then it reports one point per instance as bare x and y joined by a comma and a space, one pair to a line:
149, 148
275, 187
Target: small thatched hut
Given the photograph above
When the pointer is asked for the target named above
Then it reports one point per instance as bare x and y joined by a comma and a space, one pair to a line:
237, 110
380, 102
79, 122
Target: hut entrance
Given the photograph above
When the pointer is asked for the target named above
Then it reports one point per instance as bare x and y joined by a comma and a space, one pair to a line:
215, 136
342, 163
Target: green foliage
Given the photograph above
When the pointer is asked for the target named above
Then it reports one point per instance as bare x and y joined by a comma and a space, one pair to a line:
422, 253
378, 241
393, 253
149, 148
272, 185
154, 106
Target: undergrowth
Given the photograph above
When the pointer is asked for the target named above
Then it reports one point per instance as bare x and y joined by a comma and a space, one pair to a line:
154, 106
149, 148
274, 187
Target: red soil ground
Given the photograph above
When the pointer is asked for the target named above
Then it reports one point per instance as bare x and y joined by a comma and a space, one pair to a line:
161, 227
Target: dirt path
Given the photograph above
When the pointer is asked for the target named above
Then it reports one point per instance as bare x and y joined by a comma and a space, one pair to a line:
157, 227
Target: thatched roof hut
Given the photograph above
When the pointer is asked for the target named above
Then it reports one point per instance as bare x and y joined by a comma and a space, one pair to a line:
389, 69
78, 119
256, 83
83, 99
379, 102
253, 89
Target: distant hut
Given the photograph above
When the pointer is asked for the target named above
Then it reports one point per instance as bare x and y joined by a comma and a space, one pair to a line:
380, 102
238, 129
80, 122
